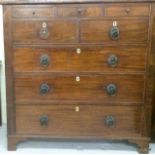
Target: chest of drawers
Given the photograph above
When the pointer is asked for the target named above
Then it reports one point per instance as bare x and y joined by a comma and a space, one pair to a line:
79, 70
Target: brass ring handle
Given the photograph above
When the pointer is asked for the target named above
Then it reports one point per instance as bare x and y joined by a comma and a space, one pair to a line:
109, 121
44, 60
44, 88
44, 32
111, 89
114, 32
112, 60
44, 120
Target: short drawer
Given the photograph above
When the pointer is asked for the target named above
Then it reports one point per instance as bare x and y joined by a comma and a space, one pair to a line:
114, 31
41, 59
127, 10
88, 59
108, 59
103, 89
54, 31
79, 11
88, 121
32, 11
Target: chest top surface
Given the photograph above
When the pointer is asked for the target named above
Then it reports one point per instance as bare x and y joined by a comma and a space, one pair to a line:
66, 1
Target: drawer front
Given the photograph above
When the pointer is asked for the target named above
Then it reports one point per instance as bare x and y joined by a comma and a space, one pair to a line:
127, 31
48, 11
65, 31
105, 89
79, 11
108, 59
85, 10
31, 11
41, 59
56, 31
88, 121
127, 10
101, 59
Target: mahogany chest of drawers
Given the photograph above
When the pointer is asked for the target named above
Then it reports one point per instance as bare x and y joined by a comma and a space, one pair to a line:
79, 70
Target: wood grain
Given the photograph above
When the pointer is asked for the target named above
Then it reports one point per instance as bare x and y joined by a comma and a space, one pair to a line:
152, 67
32, 11
78, 11
69, 1
77, 101
127, 10
9, 69
60, 31
97, 31
93, 58
89, 88
88, 122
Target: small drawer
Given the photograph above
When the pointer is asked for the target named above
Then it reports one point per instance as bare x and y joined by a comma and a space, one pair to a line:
88, 121
79, 11
128, 10
87, 59
104, 89
42, 31
31, 11
114, 31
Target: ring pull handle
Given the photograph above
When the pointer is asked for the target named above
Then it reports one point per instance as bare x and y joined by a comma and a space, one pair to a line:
112, 60
44, 32
111, 89
44, 120
44, 60
114, 32
44, 88
109, 121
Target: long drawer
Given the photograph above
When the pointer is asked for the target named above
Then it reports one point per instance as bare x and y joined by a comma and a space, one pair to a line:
88, 121
105, 89
92, 59
67, 31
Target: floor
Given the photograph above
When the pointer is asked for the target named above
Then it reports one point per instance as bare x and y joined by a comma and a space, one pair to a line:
67, 148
